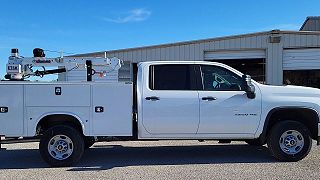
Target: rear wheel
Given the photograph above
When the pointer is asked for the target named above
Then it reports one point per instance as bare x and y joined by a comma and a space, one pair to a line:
61, 146
289, 141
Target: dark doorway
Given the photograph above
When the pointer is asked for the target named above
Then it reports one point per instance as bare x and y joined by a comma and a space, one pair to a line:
309, 78
253, 67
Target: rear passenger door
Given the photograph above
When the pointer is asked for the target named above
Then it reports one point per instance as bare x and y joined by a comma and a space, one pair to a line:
170, 100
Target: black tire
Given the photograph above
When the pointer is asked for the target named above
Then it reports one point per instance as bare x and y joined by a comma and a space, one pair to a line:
289, 127
88, 142
254, 142
77, 145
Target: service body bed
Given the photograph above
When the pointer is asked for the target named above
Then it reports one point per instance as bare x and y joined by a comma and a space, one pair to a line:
103, 109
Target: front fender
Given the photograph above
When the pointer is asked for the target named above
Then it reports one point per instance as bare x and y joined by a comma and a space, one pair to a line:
264, 127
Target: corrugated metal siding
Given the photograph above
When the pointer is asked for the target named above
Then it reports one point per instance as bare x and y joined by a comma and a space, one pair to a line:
299, 59
300, 41
194, 50
244, 54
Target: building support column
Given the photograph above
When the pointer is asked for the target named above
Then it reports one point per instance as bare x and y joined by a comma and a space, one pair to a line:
274, 59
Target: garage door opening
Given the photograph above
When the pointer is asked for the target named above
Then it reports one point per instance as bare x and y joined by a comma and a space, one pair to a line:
301, 67
251, 62
253, 67
309, 78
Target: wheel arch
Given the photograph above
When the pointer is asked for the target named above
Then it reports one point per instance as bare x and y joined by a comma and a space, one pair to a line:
305, 115
59, 118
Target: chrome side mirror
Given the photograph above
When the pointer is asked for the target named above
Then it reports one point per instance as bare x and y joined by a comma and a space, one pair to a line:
249, 87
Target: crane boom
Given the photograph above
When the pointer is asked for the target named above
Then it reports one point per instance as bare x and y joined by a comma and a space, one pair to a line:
21, 68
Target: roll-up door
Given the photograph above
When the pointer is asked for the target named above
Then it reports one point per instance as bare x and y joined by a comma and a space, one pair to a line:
301, 59
243, 54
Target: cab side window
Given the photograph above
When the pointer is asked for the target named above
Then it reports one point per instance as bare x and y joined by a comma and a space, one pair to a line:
215, 78
172, 77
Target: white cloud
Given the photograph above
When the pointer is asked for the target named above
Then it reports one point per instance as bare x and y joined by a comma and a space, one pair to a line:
135, 15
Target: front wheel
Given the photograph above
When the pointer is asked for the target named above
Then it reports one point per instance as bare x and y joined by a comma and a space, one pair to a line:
61, 146
289, 141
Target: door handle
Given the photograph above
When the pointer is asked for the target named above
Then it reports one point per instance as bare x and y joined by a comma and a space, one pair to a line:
153, 98
209, 98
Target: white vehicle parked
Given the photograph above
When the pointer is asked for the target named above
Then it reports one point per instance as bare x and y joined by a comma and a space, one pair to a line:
167, 100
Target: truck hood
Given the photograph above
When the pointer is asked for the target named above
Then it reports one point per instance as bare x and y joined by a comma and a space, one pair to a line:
283, 96
289, 96
289, 90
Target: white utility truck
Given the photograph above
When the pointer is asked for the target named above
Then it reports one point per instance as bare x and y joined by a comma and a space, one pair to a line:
167, 100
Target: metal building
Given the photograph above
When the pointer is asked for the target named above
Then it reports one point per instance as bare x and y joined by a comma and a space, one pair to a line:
272, 57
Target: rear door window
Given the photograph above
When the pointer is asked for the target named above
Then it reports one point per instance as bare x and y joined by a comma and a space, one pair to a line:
172, 77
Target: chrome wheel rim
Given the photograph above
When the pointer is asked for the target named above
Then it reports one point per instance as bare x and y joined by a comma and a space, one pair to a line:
291, 142
60, 147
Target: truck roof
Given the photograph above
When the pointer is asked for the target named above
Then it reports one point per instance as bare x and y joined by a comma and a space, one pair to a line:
191, 62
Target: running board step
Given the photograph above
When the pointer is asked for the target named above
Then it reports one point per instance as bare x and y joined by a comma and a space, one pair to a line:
19, 140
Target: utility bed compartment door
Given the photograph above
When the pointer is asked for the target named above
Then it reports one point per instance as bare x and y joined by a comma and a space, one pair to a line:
112, 109
57, 95
11, 110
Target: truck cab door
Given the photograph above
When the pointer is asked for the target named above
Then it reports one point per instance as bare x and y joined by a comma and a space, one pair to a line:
225, 109
170, 102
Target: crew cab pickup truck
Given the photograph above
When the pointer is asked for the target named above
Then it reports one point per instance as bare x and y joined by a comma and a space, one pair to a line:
168, 100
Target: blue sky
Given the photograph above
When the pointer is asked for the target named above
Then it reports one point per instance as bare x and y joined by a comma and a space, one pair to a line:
87, 26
